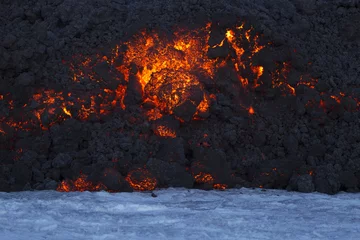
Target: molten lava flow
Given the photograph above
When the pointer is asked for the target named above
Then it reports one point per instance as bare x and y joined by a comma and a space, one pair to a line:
49, 107
164, 131
66, 111
235, 38
119, 99
251, 111
203, 178
169, 89
141, 180
81, 184
258, 71
153, 53
203, 107
220, 186
309, 83
167, 69
279, 78
154, 114
165, 66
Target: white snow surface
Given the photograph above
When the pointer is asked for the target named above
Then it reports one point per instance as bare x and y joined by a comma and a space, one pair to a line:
179, 214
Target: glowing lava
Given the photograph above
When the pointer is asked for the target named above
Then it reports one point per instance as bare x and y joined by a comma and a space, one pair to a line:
164, 131
204, 178
169, 89
168, 70
81, 184
220, 186
141, 180
171, 73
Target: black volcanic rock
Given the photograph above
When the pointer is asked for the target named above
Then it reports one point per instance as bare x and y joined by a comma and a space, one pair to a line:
134, 92
62, 160
114, 181
327, 180
25, 79
303, 183
4, 185
51, 185
185, 111
172, 150
170, 174
317, 150
219, 51
349, 181
21, 174
291, 144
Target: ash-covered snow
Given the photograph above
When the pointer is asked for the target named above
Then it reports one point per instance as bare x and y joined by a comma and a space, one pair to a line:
179, 214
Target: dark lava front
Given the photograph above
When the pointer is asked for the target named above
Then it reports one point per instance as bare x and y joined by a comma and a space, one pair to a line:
134, 95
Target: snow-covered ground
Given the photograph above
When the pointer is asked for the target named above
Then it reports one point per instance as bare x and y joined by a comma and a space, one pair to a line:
179, 214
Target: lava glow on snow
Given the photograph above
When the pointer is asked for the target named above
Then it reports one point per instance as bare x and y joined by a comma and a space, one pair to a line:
167, 73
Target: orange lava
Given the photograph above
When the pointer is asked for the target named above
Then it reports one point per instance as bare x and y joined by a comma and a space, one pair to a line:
204, 106
80, 185
164, 131
165, 66
154, 114
279, 78
155, 53
251, 111
169, 89
168, 70
141, 180
311, 82
220, 186
204, 178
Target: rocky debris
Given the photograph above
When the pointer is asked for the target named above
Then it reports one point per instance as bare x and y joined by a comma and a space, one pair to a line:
327, 179
170, 174
349, 181
25, 79
50, 184
219, 51
114, 181
291, 144
185, 111
134, 92
303, 183
21, 174
62, 160
172, 150
9, 40
37, 175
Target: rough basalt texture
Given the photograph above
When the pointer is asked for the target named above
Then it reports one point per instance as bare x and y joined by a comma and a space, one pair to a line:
284, 145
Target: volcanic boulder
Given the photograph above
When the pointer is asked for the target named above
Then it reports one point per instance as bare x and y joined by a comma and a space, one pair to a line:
113, 181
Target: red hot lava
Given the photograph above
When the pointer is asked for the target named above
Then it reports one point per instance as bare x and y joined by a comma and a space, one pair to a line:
169, 72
